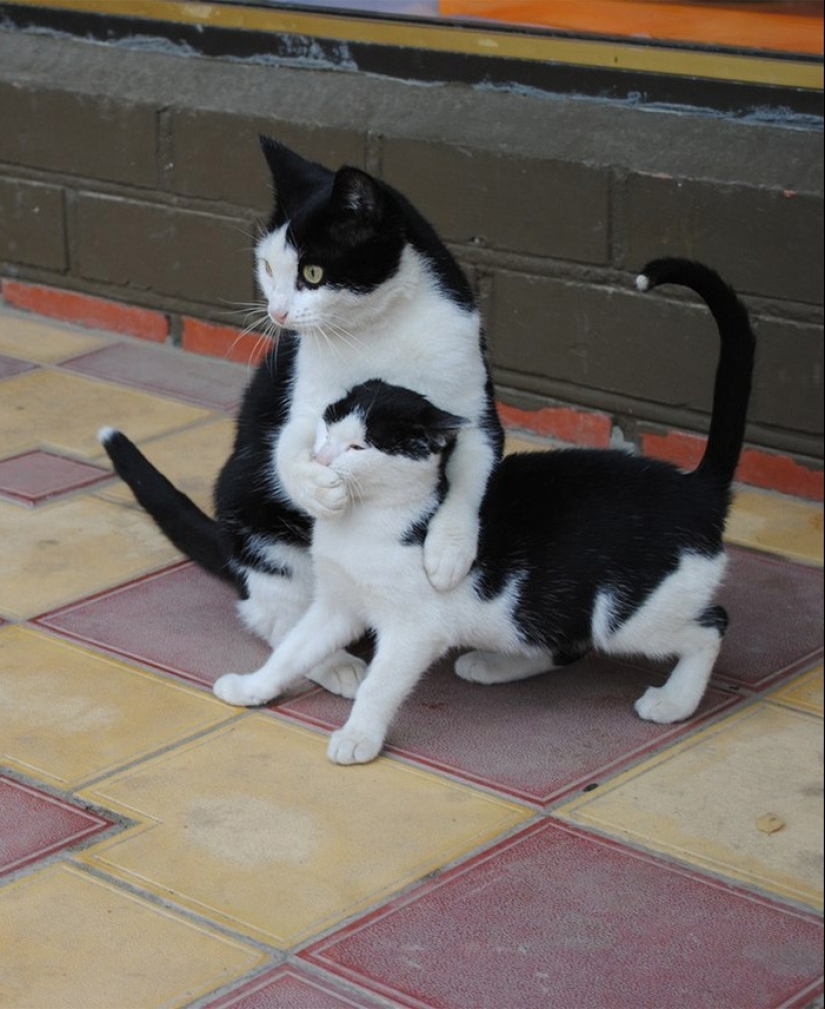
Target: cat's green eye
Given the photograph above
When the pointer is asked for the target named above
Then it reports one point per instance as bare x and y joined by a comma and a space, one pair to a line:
312, 274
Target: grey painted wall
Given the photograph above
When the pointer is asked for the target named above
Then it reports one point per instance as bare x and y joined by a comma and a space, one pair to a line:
136, 175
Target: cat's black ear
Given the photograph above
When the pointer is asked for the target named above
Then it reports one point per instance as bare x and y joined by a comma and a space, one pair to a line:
443, 427
295, 179
357, 193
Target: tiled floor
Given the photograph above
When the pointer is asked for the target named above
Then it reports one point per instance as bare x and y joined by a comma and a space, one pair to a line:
533, 846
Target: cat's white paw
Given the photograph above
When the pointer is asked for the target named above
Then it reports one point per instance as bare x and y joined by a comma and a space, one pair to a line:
477, 667
349, 746
449, 551
316, 489
342, 674
655, 705
242, 691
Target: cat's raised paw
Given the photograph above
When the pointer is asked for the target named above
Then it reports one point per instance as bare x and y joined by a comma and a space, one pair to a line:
242, 691
320, 491
341, 674
449, 552
655, 705
347, 746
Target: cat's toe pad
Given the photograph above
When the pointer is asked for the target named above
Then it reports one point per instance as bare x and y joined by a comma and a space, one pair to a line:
348, 746
340, 675
239, 690
656, 705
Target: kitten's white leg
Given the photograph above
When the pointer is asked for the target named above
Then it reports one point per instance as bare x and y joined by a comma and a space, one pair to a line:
490, 667
685, 687
276, 603
398, 665
340, 674
319, 633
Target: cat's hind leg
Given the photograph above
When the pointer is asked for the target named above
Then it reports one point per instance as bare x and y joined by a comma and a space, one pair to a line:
493, 667
697, 647
677, 618
275, 601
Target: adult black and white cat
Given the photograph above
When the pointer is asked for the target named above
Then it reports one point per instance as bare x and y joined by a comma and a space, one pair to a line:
579, 549
356, 284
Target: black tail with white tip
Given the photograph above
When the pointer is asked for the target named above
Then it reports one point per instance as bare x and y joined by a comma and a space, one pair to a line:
177, 516
732, 387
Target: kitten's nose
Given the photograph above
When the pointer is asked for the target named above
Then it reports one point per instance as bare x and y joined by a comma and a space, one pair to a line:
278, 317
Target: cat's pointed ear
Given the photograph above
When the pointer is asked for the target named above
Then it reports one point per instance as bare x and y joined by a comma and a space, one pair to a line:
294, 179
357, 193
443, 427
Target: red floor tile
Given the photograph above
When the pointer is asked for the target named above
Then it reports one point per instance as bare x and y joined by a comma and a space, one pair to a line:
10, 366
535, 740
775, 609
213, 384
288, 988
180, 620
36, 824
556, 918
38, 476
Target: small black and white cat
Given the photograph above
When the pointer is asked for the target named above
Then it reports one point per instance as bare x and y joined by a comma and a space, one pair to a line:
356, 284
579, 549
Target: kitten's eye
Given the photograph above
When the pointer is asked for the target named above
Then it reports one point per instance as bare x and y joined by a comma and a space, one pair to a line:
267, 268
312, 274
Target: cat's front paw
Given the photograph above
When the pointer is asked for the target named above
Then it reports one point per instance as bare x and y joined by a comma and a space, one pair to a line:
242, 691
656, 705
350, 746
341, 674
317, 489
449, 551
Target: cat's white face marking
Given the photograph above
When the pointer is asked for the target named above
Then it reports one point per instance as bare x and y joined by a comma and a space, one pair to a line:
277, 270
371, 475
308, 305
333, 442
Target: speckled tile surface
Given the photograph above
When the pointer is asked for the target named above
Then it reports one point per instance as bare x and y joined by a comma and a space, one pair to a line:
522, 846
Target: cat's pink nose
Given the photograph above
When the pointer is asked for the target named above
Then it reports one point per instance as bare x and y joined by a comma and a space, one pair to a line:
278, 317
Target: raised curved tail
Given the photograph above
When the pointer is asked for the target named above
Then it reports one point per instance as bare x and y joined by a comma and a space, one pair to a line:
177, 516
732, 387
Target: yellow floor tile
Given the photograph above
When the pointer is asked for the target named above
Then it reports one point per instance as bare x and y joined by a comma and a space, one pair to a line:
191, 459
515, 443
804, 692
71, 941
703, 801
252, 827
69, 549
50, 409
777, 524
70, 715
43, 342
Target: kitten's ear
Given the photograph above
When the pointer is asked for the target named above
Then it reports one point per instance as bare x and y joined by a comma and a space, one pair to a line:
355, 192
443, 428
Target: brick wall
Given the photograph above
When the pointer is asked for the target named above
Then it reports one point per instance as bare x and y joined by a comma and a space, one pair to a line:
135, 177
